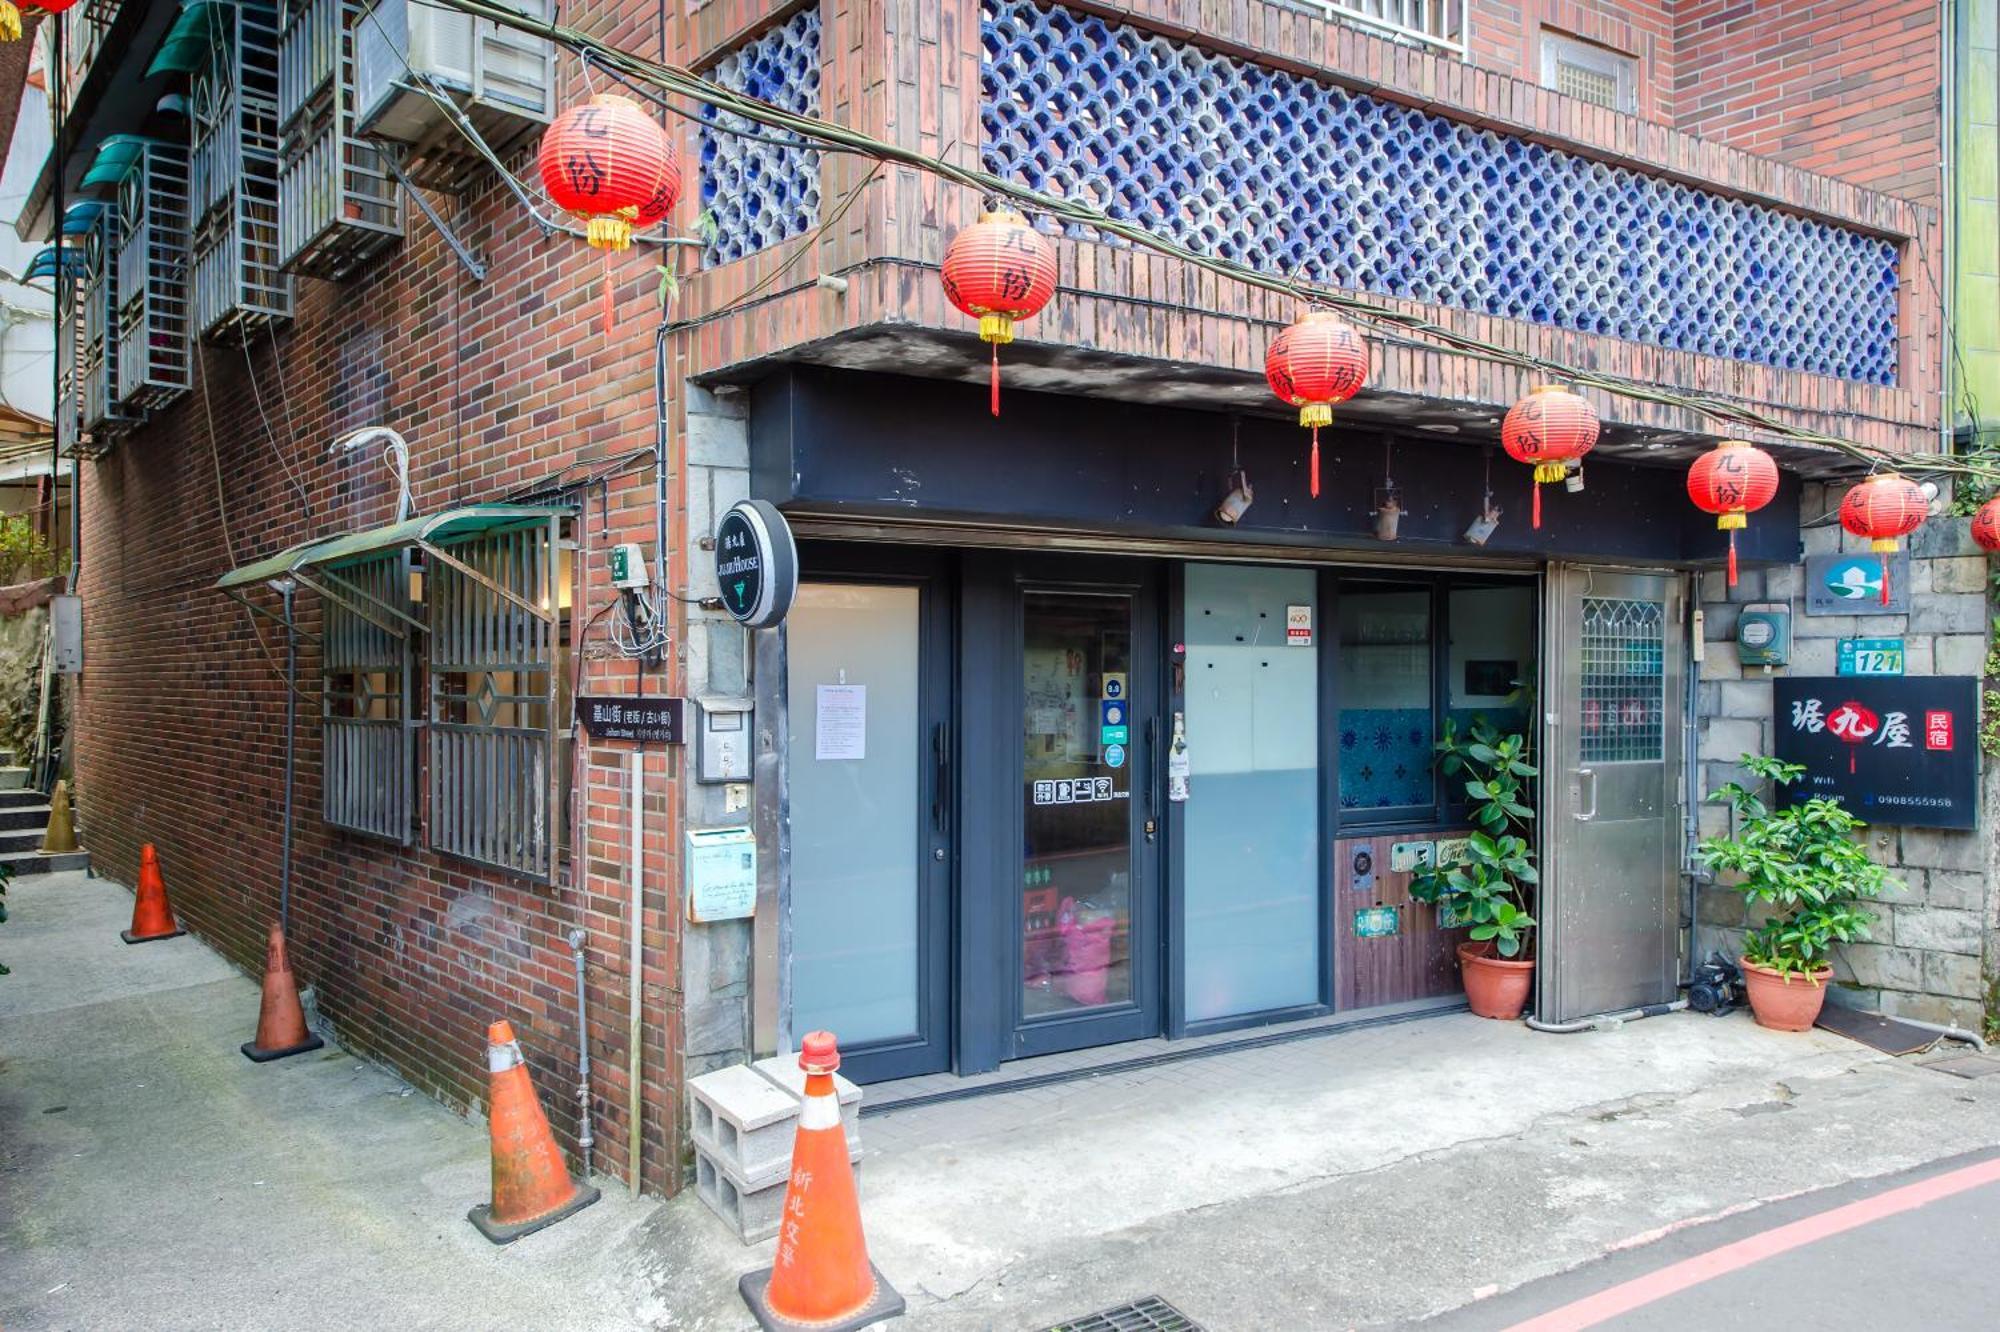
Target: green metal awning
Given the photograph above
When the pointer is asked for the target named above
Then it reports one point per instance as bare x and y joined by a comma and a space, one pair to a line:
116, 156
317, 563
186, 46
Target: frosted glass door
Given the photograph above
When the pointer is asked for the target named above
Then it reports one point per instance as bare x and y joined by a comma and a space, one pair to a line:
1252, 817
857, 749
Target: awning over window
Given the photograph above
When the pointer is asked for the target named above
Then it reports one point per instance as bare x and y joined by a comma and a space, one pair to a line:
79, 218
115, 158
317, 564
195, 33
42, 268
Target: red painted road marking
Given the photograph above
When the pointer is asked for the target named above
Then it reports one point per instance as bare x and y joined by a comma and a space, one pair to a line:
1676, 1277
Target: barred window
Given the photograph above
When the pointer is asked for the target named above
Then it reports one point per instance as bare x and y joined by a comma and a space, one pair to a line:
368, 746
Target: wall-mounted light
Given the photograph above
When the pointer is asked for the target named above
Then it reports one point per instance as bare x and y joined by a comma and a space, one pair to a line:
1388, 502
1573, 482
1488, 520
1241, 494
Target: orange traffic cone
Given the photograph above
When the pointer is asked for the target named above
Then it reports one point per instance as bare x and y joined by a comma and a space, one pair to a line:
531, 1185
152, 918
822, 1278
281, 1019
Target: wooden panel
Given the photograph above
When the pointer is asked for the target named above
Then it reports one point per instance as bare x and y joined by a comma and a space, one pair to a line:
1416, 962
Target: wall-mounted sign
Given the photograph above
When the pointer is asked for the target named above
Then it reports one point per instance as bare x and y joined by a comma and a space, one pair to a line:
1852, 584
1764, 634
756, 563
627, 717
1076, 791
721, 874
1896, 750
1299, 626
1364, 870
1114, 685
1869, 656
1380, 922
1407, 857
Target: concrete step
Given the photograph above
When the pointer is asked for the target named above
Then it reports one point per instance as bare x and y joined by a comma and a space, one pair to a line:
21, 839
13, 778
6, 758
17, 799
13, 817
34, 862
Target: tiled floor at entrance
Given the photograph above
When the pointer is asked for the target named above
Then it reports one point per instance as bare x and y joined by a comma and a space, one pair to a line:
1013, 1100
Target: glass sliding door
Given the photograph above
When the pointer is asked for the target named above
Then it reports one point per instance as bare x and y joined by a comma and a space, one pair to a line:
1251, 895
869, 876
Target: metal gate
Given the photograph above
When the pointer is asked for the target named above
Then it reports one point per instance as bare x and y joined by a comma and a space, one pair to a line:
1613, 702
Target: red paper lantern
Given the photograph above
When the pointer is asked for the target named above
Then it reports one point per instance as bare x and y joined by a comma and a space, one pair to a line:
610, 165
10, 15
1986, 525
1319, 361
1884, 508
1731, 481
999, 270
1549, 429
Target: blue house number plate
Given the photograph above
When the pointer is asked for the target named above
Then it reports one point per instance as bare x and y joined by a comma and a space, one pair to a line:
1870, 656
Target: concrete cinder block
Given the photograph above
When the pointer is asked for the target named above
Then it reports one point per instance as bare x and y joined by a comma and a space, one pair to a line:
1782, 584
1960, 890
783, 1072
1918, 657
717, 441
1720, 663
1719, 906
752, 1215
1744, 698
1718, 621
1960, 654
1953, 975
1814, 656
1880, 966
1962, 1013
1723, 740
1821, 540
745, 1123
1938, 929
1940, 848
1949, 613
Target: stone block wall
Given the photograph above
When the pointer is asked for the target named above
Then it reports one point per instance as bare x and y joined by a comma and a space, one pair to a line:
1934, 945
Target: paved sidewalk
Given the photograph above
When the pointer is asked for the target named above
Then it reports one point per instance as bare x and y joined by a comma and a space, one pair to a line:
150, 1177
153, 1178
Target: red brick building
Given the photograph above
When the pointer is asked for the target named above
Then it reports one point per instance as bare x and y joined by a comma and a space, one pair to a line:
1451, 167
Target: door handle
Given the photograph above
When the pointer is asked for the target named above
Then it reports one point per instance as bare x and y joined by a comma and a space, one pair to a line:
941, 777
1583, 815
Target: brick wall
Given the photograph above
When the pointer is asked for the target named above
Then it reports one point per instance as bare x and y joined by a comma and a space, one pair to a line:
498, 386
1843, 88
1507, 37
1924, 960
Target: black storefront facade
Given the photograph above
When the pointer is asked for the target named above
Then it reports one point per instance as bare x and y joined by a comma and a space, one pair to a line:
1066, 761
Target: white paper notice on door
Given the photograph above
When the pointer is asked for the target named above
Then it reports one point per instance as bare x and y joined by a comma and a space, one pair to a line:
840, 731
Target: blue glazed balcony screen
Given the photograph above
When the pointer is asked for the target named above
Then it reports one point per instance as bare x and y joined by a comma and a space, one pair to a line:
762, 193
1289, 175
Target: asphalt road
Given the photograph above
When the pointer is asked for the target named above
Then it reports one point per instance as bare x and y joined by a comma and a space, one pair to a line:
1915, 1250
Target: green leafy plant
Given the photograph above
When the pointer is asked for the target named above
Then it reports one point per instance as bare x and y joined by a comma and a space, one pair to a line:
24, 553
1802, 865
1492, 887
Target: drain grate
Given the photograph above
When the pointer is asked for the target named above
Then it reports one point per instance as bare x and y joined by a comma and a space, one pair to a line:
1151, 1314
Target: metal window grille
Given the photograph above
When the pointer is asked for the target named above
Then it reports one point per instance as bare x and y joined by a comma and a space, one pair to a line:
338, 205
494, 781
1623, 675
368, 754
1590, 73
238, 286
150, 261
1433, 23
760, 193
103, 412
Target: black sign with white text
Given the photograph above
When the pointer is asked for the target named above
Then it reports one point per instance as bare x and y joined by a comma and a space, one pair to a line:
624, 717
1900, 750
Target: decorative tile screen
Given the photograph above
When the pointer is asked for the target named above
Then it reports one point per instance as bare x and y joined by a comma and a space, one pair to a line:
762, 193
1290, 175
1623, 669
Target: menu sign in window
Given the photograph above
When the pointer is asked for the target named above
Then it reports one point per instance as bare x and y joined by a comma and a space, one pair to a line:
1893, 750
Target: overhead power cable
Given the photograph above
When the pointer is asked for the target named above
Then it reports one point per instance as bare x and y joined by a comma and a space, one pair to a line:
681, 82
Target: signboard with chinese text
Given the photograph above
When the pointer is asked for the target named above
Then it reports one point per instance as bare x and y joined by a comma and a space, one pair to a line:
1896, 750
1851, 584
1870, 656
625, 717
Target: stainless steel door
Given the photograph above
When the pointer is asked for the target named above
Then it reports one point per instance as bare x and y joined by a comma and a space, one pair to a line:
1611, 800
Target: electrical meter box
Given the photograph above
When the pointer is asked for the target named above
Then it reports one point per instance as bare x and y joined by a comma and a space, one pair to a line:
723, 740
66, 634
1764, 634
628, 566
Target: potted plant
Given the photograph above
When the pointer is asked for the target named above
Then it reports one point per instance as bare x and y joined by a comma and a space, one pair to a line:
1492, 886
1802, 868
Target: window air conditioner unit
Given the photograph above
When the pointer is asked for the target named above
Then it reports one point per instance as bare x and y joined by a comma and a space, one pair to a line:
410, 56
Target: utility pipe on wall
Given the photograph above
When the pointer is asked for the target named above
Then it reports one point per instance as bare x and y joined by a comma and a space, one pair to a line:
290, 591
637, 782
584, 1139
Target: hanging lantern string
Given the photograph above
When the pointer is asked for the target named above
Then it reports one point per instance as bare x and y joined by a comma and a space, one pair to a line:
824, 135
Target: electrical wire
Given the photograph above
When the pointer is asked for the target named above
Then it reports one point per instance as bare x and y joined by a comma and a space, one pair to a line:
678, 81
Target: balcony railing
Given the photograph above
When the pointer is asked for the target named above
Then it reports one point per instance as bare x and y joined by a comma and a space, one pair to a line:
1435, 23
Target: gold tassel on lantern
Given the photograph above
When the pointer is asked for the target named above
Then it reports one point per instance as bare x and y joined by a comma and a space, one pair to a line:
10, 22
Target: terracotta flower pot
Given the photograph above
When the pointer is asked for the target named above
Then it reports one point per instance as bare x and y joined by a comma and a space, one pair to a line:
1495, 987
1784, 1004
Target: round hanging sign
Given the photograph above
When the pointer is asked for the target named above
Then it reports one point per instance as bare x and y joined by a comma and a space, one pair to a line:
756, 563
